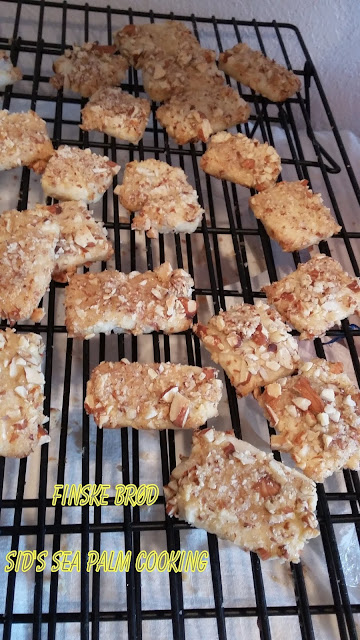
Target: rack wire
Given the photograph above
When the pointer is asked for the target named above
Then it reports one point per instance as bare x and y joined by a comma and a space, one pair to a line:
28, 519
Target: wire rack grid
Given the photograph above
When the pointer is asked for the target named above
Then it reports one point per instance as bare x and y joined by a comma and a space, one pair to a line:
223, 256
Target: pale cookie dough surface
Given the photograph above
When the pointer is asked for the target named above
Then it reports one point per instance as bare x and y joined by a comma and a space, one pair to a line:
252, 344
230, 488
317, 414
136, 42
152, 396
196, 114
8, 73
136, 303
162, 197
165, 75
78, 174
22, 394
24, 141
253, 69
293, 215
87, 68
315, 297
116, 113
240, 159
27, 260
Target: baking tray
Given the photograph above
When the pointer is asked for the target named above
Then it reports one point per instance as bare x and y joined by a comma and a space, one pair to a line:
230, 257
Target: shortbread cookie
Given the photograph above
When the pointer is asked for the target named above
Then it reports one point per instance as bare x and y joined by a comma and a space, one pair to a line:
27, 260
252, 344
152, 396
82, 239
116, 113
253, 69
195, 114
165, 75
243, 160
24, 141
293, 215
137, 41
87, 68
136, 303
316, 296
317, 414
8, 73
22, 394
78, 174
242, 494
161, 195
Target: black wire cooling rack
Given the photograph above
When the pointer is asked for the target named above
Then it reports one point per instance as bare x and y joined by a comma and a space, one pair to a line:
38, 605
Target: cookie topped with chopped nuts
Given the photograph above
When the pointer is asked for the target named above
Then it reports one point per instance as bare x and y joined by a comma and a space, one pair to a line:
116, 113
152, 396
317, 414
137, 41
243, 160
315, 297
195, 114
164, 75
8, 73
87, 68
136, 303
162, 197
24, 141
27, 260
230, 488
253, 69
82, 239
22, 394
78, 174
251, 343
293, 215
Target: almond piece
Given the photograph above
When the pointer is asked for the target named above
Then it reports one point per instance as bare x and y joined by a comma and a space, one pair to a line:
305, 390
267, 487
190, 307
169, 393
179, 410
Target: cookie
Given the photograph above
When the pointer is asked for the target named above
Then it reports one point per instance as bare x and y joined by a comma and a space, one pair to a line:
162, 197
8, 73
254, 70
24, 141
293, 215
136, 303
315, 297
251, 343
152, 396
242, 160
317, 415
241, 494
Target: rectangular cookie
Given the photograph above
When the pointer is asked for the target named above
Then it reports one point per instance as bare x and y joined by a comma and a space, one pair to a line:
136, 303
8, 73
22, 394
241, 494
82, 239
315, 297
252, 344
86, 68
27, 260
253, 69
317, 415
240, 159
197, 113
116, 113
162, 197
164, 75
293, 215
152, 396
24, 141
137, 41
78, 174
